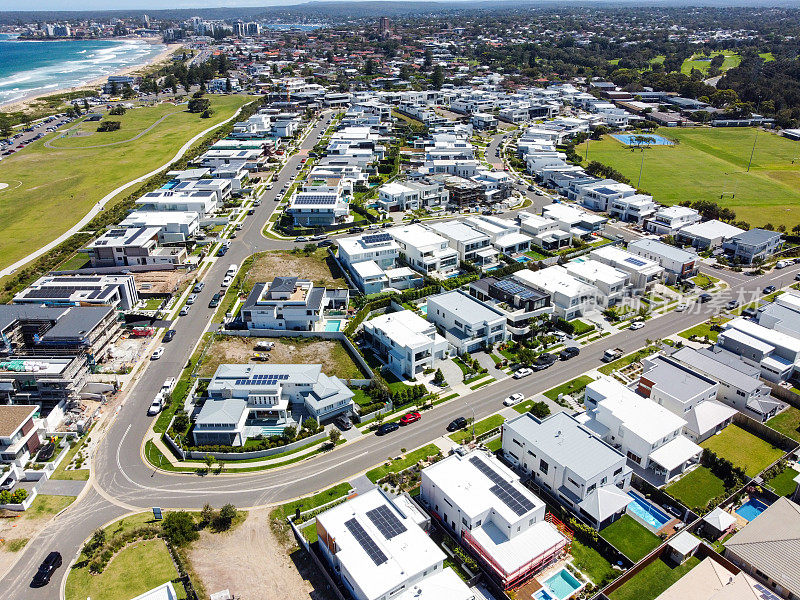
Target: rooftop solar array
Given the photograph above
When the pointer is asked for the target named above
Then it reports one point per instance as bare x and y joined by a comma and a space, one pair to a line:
635, 261
386, 521
376, 237
366, 542
516, 289
506, 492
262, 380
315, 201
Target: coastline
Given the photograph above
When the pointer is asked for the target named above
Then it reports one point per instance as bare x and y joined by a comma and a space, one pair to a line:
23, 104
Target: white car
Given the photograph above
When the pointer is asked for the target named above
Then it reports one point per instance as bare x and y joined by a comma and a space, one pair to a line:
523, 372
513, 399
159, 352
636, 325
227, 281
156, 406
682, 307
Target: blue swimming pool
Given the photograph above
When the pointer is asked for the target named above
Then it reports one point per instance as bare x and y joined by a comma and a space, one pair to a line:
563, 584
629, 140
333, 325
523, 259
647, 512
751, 509
543, 594
169, 185
424, 309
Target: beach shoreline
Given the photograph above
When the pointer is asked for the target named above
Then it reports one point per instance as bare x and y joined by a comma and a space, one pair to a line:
24, 104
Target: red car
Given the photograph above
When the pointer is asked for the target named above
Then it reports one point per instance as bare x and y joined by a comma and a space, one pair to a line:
410, 418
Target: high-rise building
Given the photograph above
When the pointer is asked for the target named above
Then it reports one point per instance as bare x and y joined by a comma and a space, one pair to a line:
383, 25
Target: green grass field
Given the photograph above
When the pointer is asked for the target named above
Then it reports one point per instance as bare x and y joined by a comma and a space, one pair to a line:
651, 581
787, 423
784, 484
51, 189
697, 488
481, 427
743, 449
631, 538
708, 163
702, 62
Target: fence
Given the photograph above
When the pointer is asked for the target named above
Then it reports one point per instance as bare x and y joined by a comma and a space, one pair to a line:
765, 432
321, 567
784, 394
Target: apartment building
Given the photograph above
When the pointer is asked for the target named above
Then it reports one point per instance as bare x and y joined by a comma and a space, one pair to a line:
467, 324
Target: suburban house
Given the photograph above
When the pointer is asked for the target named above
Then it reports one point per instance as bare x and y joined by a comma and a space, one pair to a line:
643, 274
753, 245
412, 195
669, 219
19, 433
765, 548
472, 245
708, 234
379, 549
739, 383
572, 463
574, 220
406, 342
118, 291
467, 323
713, 580
133, 246
503, 233
519, 302
678, 264
204, 203
173, 226
647, 433
569, 296
246, 400
610, 283
379, 248
545, 233
317, 208
290, 303
489, 510
687, 393
775, 353
782, 314
425, 250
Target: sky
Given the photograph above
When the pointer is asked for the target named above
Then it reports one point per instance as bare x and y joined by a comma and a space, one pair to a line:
27, 5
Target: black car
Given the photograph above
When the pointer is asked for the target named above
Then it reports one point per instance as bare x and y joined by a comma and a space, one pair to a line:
46, 570
342, 422
750, 313
704, 297
169, 335
324, 244
732, 304
568, 353
214, 301
355, 230
387, 428
457, 424
543, 361
222, 250
415, 220
769, 289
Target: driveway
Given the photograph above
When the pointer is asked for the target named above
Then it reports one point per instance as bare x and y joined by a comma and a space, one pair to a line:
452, 373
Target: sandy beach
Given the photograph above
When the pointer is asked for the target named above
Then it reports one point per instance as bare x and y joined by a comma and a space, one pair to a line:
24, 104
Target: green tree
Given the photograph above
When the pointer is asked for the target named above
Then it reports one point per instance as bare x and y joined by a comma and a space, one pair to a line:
438, 378
437, 78
334, 435
179, 528
209, 460
5, 126
539, 409
225, 517
311, 424
207, 514
199, 105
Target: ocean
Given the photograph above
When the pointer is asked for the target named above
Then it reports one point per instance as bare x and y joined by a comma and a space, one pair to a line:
29, 68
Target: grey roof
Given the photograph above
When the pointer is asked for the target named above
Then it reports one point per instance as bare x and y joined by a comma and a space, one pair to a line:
605, 501
254, 295
719, 519
228, 412
755, 236
67, 322
676, 379
789, 319
665, 250
283, 284
465, 307
568, 442
771, 543
710, 363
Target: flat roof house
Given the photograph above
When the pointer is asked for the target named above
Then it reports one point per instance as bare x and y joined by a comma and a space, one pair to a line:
133, 246
468, 324
545, 233
500, 520
647, 433
519, 302
19, 433
472, 245
290, 303
173, 226
574, 220
753, 245
377, 247
378, 548
572, 462
679, 264
202, 202
643, 274
425, 251
775, 353
118, 291
667, 220
708, 234
766, 548
782, 314
570, 296
406, 342
610, 283
313, 209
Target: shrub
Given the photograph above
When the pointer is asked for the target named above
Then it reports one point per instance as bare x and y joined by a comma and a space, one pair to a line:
225, 517
19, 496
179, 528
539, 409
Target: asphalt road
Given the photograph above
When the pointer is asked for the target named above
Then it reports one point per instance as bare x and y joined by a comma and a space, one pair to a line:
122, 482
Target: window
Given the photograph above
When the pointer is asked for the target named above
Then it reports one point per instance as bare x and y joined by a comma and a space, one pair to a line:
543, 467
573, 482
532, 454
618, 471
517, 442
740, 393
604, 480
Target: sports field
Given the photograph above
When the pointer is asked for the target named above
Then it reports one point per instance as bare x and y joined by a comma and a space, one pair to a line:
50, 189
702, 62
711, 164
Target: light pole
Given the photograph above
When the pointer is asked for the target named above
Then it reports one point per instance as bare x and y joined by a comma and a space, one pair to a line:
473, 418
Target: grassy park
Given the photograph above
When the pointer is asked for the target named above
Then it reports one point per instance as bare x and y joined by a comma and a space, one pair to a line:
50, 189
702, 62
711, 164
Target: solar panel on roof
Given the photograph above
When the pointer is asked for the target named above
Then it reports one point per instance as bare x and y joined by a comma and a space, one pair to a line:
376, 238
386, 521
365, 541
635, 261
506, 492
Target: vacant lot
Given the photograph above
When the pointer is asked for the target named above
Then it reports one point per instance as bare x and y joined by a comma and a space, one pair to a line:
331, 354
318, 267
707, 163
51, 189
743, 449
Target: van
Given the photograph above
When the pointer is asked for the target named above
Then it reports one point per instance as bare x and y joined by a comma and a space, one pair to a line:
232, 270
783, 263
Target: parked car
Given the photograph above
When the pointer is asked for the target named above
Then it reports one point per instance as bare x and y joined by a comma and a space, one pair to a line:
523, 372
227, 281
342, 422
184, 310
636, 325
301, 238
222, 250
568, 353
543, 361
681, 307
318, 237
324, 244
513, 399
156, 405
750, 313
169, 335
410, 418
215, 300
190, 300
355, 229
158, 353
198, 287
769, 289
732, 304
704, 298
456, 424
46, 569
387, 428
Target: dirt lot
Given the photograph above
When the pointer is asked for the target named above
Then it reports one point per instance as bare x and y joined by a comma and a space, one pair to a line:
161, 282
251, 563
331, 354
319, 267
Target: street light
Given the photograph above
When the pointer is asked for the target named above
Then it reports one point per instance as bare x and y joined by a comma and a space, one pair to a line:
473, 418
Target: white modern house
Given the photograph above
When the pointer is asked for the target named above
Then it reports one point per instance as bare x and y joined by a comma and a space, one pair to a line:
425, 250
377, 247
569, 296
173, 226
572, 462
648, 434
118, 291
406, 342
467, 323
545, 233
290, 303
486, 506
204, 203
610, 283
379, 549
317, 208
708, 234
472, 245
775, 353
643, 274
677, 263
133, 246
667, 220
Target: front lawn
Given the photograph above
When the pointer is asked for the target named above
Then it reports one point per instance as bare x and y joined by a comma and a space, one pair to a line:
397, 465
702, 330
581, 328
743, 449
696, 488
609, 368
481, 427
318, 499
45, 505
629, 537
591, 563
651, 581
787, 423
573, 388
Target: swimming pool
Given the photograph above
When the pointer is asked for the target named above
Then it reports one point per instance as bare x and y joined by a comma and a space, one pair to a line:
647, 512
522, 259
332, 325
629, 140
563, 584
424, 309
751, 509
543, 594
